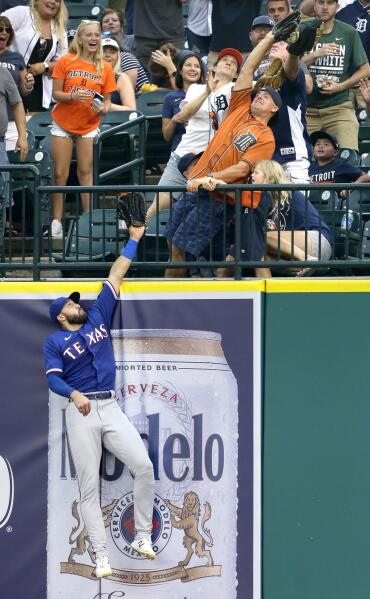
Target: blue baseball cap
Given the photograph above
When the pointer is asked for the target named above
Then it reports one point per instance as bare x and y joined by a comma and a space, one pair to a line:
272, 92
263, 21
56, 306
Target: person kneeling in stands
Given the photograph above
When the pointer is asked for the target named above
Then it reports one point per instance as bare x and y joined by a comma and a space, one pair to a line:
82, 86
295, 229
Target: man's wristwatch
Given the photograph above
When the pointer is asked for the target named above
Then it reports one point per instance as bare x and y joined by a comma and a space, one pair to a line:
46, 67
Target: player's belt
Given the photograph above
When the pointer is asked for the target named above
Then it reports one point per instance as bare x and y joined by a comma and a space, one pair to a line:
100, 394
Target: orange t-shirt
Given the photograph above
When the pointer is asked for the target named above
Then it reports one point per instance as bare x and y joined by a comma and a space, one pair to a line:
75, 116
240, 137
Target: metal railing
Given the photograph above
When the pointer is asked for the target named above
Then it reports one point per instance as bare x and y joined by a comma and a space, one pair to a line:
84, 255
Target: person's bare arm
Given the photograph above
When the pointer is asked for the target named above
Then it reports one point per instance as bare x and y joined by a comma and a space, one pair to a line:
230, 174
245, 78
122, 264
20, 123
168, 128
365, 92
126, 94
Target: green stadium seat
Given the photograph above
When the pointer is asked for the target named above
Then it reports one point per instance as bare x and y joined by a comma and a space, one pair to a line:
92, 237
39, 125
150, 104
120, 148
326, 199
349, 154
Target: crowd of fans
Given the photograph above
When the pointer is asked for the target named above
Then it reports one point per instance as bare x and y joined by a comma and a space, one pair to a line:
240, 108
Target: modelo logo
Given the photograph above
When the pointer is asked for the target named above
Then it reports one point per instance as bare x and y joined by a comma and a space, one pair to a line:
6, 491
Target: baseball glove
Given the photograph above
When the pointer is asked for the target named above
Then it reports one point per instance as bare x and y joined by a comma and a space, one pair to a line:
131, 209
308, 36
287, 29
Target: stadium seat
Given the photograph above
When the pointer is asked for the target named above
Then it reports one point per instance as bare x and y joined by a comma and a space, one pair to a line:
150, 104
120, 148
39, 125
154, 247
326, 199
359, 200
25, 181
92, 237
349, 154
83, 10
347, 239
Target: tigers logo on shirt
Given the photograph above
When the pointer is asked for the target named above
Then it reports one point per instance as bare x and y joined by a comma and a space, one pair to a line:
245, 141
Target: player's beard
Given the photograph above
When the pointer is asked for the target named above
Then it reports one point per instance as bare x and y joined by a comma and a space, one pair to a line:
79, 318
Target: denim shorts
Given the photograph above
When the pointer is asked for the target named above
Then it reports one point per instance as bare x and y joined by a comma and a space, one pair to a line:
194, 221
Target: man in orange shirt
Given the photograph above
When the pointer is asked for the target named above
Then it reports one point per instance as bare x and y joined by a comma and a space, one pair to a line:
243, 138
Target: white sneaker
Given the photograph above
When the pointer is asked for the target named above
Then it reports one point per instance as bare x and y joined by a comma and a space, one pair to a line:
56, 229
144, 547
102, 568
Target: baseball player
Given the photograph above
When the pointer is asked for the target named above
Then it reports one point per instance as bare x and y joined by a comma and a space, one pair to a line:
80, 365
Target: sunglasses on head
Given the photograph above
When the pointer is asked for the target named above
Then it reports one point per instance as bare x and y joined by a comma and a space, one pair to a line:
5, 29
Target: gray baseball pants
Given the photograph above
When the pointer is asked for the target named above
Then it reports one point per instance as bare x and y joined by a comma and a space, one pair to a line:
107, 425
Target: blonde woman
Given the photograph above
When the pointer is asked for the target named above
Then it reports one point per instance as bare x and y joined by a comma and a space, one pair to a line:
40, 37
82, 87
124, 97
295, 229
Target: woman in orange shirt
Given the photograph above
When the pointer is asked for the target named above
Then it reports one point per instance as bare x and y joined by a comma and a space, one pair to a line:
78, 79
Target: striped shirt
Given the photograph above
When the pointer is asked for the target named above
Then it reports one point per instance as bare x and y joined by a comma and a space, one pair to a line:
129, 62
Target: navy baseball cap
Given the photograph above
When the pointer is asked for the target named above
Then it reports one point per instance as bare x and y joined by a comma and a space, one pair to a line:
186, 160
263, 21
322, 134
272, 92
57, 305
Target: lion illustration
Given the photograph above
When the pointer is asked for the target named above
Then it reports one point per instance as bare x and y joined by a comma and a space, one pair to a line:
82, 537
188, 521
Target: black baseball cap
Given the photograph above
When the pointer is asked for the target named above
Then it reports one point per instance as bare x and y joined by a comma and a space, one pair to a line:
322, 134
263, 21
57, 305
272, 92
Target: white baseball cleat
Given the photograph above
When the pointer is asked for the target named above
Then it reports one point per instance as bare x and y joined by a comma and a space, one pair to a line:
143, 547
102, 568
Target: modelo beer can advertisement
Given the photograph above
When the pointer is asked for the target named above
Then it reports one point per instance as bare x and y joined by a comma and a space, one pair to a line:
187, 377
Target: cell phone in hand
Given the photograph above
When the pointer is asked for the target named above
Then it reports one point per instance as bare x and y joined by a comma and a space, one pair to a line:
98, 100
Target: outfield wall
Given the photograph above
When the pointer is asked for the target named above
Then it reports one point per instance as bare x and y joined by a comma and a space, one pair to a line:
289, 386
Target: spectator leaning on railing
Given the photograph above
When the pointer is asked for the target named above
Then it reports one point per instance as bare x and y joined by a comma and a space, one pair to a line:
202, 112
337, 63
243, 138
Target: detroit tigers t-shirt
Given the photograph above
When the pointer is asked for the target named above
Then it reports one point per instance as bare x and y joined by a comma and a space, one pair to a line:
336, 171
339, 67
77, 74
356, 14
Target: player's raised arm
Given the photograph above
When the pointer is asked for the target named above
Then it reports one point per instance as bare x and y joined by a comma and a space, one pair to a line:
131, 209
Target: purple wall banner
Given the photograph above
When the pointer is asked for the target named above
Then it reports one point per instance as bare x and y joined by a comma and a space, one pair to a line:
188, 378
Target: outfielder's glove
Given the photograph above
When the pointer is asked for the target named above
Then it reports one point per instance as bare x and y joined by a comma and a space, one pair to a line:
287, 29
308, 36
131, 209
